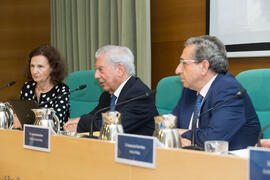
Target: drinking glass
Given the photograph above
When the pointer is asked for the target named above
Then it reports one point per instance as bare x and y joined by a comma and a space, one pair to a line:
218, 147
68, 133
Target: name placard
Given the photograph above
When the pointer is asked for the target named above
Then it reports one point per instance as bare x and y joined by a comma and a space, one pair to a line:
135, 150
259, 163
37, 138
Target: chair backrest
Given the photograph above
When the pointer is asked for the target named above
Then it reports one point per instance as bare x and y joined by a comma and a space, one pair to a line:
169, 90
257, 84
83, 101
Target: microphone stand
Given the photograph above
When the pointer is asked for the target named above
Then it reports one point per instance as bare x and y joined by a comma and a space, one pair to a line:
193, 139
91, 130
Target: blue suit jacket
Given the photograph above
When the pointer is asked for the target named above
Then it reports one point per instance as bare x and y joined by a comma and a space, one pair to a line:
137, 117
235, 121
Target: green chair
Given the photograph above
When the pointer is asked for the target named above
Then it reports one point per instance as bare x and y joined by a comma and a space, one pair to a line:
83, 101
169, 90
257, 84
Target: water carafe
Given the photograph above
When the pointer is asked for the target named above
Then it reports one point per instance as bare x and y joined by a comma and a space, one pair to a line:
111, 126
6, 116
166, 132
46, 117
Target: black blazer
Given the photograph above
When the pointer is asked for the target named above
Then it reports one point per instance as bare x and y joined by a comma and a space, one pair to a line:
137, 116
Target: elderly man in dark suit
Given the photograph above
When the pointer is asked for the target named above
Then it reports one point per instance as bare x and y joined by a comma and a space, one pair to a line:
203, 71
115, 72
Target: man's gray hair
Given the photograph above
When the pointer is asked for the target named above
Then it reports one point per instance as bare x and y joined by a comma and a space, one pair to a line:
212, 49
118, 55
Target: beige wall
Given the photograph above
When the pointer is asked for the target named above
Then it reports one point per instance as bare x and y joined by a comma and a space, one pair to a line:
24, 24
172, 22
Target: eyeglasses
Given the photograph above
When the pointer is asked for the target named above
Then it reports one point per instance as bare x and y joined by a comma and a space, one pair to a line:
184, 61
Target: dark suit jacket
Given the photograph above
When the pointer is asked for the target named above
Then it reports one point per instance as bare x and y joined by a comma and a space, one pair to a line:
137, 116
235, 121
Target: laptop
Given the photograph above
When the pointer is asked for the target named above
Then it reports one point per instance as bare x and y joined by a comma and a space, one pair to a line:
22, 108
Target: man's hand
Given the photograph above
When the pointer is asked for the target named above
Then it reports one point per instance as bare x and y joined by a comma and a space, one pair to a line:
71, 124
265, 143
182, 131
184, 141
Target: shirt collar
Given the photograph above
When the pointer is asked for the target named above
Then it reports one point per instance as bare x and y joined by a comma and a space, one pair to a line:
119, 89
206, 87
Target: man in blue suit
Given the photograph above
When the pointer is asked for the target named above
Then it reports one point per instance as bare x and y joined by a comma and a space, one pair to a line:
204, 73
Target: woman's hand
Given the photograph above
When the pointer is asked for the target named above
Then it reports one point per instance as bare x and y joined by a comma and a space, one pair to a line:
16, 123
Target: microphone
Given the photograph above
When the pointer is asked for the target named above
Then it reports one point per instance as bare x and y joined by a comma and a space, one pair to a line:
8, 85
261, 133
239, 94
147, 94
78, 88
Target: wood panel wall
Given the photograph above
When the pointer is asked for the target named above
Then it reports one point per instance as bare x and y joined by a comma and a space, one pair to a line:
24, 24
172, 23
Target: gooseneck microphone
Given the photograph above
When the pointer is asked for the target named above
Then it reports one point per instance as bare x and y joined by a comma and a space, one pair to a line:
57, 97
239, 94
8, 85
79, 88
147, 94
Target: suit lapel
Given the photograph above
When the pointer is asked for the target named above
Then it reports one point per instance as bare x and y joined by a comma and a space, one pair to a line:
125, 89
212, 86
206, 101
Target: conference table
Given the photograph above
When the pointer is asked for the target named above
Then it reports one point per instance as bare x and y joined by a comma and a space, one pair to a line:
81, 158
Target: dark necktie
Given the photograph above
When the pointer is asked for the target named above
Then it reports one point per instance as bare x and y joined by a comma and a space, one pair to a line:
197, 110
112, 105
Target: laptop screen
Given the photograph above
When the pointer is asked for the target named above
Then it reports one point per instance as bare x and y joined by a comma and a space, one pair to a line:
22, 108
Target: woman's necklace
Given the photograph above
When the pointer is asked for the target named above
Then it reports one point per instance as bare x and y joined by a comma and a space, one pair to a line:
42, 89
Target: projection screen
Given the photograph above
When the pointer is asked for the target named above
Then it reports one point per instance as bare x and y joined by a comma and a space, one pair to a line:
243, 26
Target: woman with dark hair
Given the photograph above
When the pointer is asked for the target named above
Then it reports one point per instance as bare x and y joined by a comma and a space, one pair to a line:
46, 71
